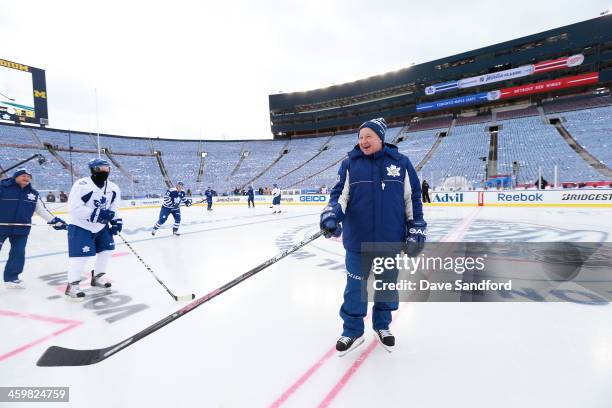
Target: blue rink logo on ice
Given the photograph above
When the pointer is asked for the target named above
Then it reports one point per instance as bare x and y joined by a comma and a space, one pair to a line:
110, 305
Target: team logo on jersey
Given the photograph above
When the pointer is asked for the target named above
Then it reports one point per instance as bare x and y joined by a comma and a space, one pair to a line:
393, 171
32, 197
101, 203
85, 249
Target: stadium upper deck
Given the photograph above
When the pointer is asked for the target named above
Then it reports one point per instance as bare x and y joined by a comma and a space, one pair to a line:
397, 95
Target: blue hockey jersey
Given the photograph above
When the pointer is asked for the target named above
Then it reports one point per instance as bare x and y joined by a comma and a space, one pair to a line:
173, 198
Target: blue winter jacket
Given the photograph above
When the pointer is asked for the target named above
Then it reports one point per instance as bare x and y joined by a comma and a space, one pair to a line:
375, 196
17, 206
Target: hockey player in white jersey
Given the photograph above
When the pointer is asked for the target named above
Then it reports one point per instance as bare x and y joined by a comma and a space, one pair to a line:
276, 199
93, 204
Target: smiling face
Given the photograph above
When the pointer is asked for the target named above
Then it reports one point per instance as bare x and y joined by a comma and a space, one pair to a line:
369, 142
23, 180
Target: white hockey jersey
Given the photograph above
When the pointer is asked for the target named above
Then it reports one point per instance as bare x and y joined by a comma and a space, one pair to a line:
85, 197
276, 192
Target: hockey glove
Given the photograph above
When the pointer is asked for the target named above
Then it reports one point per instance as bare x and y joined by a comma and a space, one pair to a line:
58, 224
416, 235
329, 223
101, 216
116, 226
188, 202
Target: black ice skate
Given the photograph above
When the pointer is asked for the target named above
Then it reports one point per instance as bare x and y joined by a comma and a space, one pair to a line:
98, 281
154, 231
346, 344
176, 233
73, 292
386, 339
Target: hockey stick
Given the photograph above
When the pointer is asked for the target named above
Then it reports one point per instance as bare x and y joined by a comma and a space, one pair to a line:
8, 224
56, 356
177, 298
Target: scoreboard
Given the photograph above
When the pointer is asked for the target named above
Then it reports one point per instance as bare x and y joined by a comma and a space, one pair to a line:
23, 93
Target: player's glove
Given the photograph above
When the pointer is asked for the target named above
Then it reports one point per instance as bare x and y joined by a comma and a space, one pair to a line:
416, 235
116, 226
329, 223
101, 216
188, 202
58, 224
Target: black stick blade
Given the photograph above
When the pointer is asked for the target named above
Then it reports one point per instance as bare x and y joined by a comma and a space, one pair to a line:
56, 356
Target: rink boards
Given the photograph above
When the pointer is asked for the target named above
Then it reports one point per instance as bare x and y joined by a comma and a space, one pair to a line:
504, 198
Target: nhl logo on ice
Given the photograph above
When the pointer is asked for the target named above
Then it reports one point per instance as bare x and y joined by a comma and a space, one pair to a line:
393, 171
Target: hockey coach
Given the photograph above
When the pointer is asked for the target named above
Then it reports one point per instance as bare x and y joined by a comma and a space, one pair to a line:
18, 202
376, 199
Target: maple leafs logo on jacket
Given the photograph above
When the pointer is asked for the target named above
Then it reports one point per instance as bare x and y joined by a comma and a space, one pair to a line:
393, 171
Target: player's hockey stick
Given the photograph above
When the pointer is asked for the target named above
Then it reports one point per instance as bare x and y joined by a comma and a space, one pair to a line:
9, 224
177, 298
60, 356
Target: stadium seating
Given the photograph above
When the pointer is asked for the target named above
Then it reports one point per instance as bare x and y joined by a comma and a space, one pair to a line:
221, 159
417, 144
517, 113
592, 128
261, 154
525, 139
572, 104
300, 151
459, 155
535, 144
182, 159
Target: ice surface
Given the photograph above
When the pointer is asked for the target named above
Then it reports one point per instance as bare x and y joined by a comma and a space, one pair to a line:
269, 340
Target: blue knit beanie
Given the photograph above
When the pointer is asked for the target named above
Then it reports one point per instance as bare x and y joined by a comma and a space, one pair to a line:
378, 125
19, 172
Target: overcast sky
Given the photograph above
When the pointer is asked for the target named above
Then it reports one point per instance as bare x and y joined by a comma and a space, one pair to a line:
204, 69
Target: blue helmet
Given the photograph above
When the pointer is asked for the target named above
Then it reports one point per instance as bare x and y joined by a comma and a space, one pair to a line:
95, 164
180, 183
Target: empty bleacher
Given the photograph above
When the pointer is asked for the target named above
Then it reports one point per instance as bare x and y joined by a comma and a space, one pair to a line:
592, 128
313, 162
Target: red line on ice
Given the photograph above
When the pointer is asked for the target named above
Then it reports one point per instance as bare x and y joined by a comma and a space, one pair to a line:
289, 392
459, 233
70, 324
349, 373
